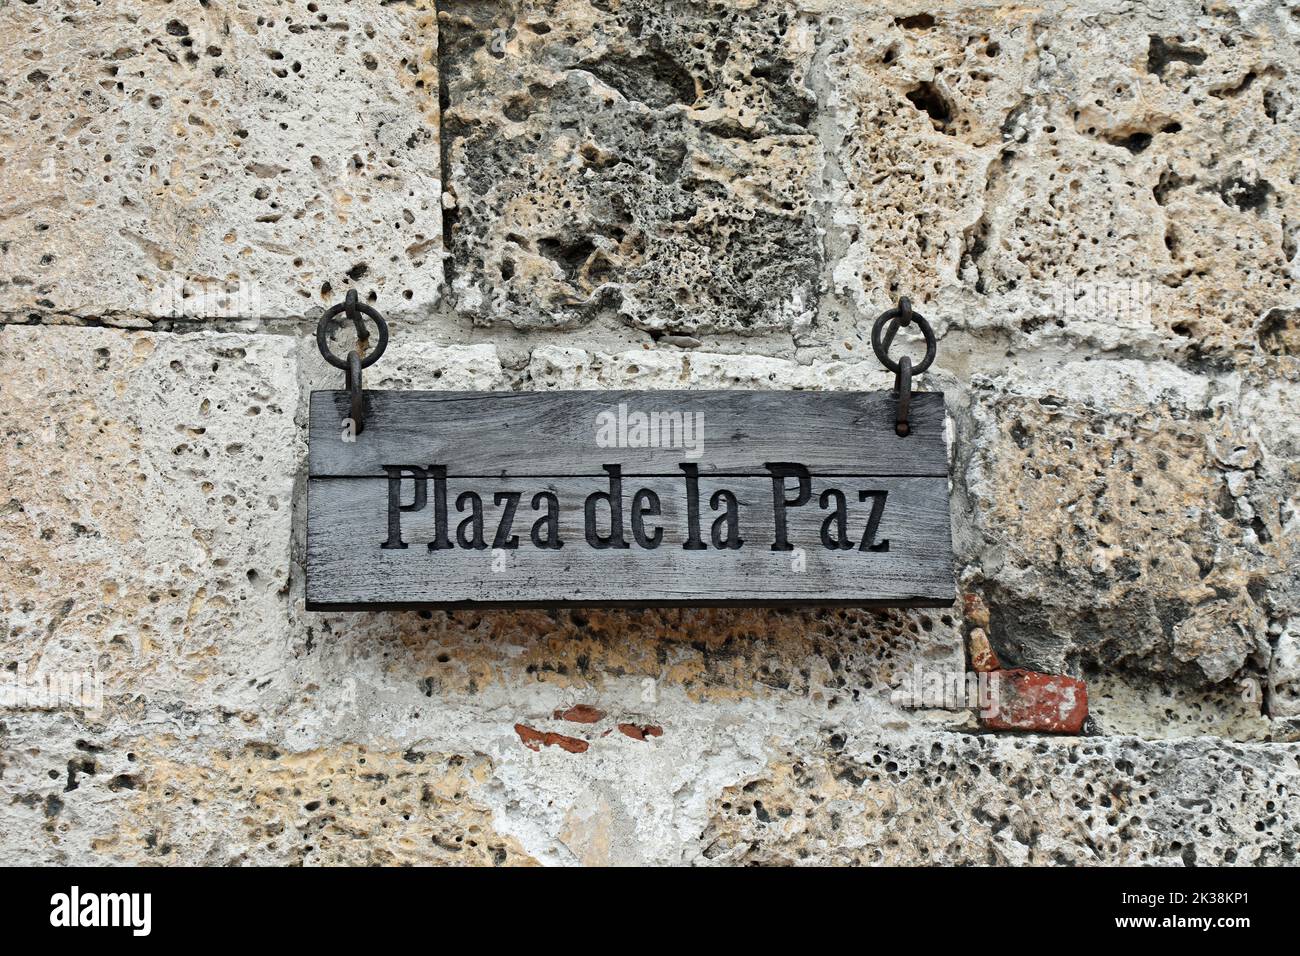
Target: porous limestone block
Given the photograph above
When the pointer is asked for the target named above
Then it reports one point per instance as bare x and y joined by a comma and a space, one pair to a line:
916, 110
210, 797
654, 160
955, 799
187, 160
565, 367
731, 779
1127, 704
1130, 518
1064, 174
146, 517
410, 365
1284, 674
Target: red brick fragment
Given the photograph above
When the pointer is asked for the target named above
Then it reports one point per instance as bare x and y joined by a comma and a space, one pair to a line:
537, 739
641, 732
982, 656
976, 611
1028, 700
580, 714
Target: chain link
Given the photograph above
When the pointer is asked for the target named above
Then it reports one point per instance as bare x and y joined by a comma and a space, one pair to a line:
357, 313
882, 337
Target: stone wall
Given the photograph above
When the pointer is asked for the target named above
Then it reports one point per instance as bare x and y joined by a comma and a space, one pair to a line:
1095, 203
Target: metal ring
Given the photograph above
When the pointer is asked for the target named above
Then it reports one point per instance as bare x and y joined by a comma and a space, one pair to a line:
904, 318
356, 392
354, 310
896, 318
352, 307
903, 392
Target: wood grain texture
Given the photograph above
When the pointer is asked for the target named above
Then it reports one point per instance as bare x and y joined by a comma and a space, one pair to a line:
555, 433
347, 568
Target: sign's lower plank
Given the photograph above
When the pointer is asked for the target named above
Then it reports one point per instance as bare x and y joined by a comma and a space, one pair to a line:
680, 547
686, 602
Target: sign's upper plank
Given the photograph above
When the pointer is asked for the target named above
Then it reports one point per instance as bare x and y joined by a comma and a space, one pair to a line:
509, 434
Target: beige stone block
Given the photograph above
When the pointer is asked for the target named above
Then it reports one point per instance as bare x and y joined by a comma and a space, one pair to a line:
218, 160
1066, 175
146, 522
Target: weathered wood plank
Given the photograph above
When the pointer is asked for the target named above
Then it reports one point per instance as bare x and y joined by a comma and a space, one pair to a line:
558, 433
348, 522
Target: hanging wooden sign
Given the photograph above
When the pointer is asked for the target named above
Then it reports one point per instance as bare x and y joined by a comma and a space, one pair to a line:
626, 498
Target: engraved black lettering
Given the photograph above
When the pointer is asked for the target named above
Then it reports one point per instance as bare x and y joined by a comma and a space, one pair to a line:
503, 538
420, 479
780, 472
645, 502
440, 540
869, 542
839, 519
549, 522
613, 498
473, 524
728, 521
693, 542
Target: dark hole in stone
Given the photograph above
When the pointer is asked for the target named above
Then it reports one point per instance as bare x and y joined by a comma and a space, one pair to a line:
927, 98
517, 109
1279, 333
1237, 90
1161, 53
777, 71
790, 104
654, 78
1246, 196
921, 21
1134, 143
570, 255
1261, 530
601, 270
1169, 181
